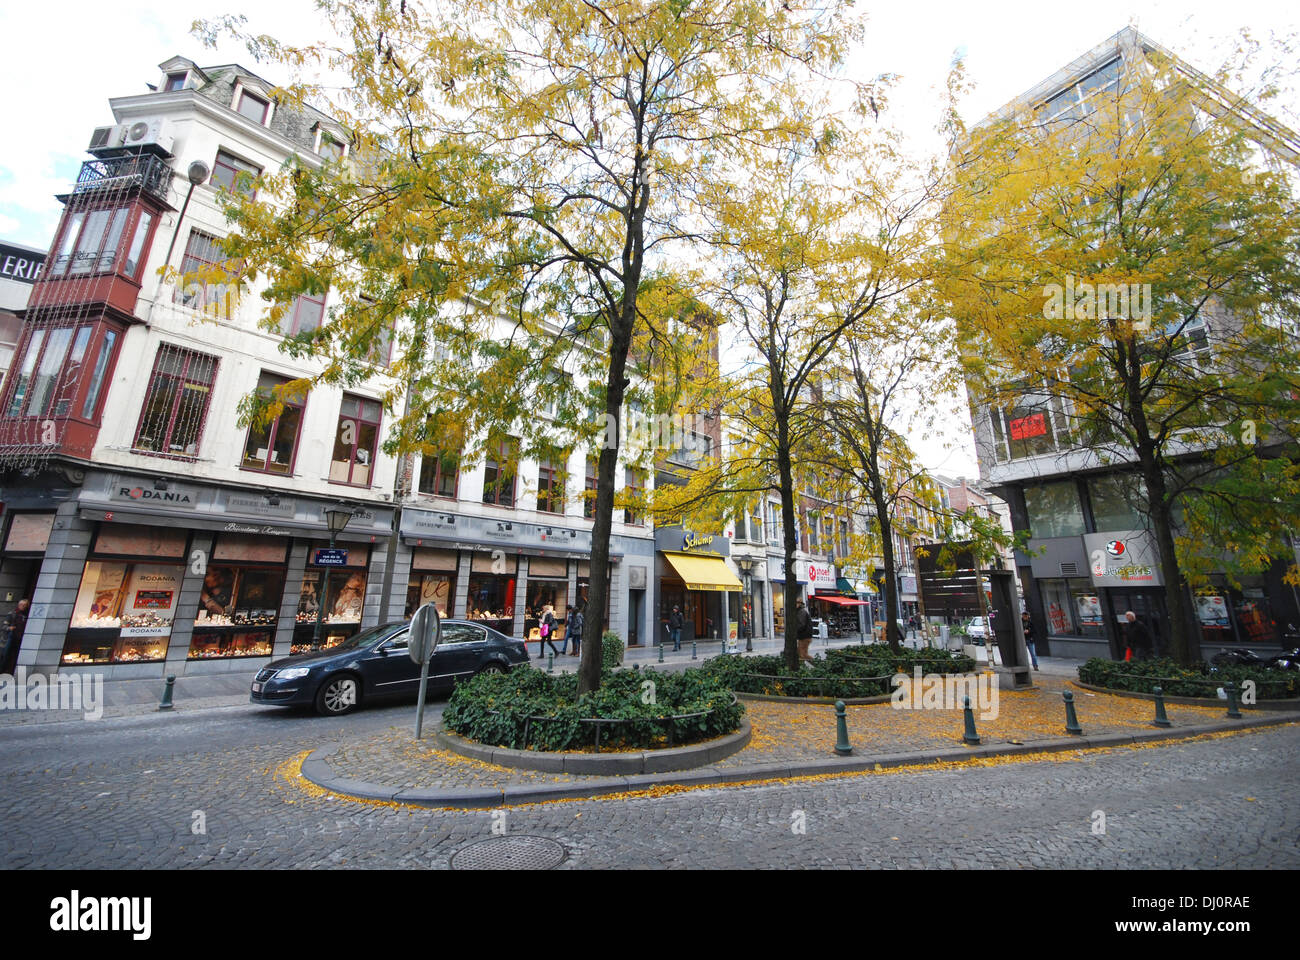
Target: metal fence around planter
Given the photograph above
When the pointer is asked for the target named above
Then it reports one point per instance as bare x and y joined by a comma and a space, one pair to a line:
599, 722
820, 681
1165, 682
901, 665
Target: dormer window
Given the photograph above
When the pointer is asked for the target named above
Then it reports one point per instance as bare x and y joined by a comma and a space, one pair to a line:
253, 107
332, 149
175, 81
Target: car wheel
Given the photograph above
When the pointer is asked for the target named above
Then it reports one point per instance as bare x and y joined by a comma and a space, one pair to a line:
338, 695
492, 667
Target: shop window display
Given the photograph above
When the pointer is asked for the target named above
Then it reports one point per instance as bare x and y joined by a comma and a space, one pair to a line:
344, 591
238, 610
123, 612
542, 593
435, 588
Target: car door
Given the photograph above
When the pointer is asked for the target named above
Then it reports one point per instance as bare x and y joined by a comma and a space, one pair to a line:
388, 669
459, 653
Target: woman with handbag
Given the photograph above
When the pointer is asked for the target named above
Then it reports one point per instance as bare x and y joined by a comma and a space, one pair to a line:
547, 629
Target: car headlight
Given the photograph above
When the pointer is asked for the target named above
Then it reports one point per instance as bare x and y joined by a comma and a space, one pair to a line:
293, 673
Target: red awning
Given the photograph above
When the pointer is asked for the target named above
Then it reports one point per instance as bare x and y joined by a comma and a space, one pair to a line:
842, 601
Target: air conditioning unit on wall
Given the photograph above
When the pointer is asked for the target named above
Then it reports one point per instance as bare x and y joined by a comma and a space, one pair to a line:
153, 134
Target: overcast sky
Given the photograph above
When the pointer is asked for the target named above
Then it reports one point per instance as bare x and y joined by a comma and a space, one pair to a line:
60, 62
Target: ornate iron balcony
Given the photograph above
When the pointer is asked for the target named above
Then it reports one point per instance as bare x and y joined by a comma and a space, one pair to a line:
136, 171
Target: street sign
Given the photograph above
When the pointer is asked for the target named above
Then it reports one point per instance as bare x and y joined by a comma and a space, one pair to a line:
423, 637
426, 631
331, 557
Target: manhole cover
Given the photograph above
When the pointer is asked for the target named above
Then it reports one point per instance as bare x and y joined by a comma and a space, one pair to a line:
509, 853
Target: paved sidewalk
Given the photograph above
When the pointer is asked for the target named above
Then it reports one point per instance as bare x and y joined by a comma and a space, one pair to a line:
789, 739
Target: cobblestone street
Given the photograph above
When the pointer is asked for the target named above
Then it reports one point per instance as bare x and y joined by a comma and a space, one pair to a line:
126, 792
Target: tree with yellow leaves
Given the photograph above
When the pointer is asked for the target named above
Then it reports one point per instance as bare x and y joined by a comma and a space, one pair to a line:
523, 171
1129, 266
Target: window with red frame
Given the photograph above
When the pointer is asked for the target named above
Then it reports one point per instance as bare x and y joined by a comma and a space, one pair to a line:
176, 402
635, 480
500, 469
272, 446
234, 175
53, 368
550, 488
589, 501
305, 315
439, 474
253, 107
94, 241
356, 441
202, 253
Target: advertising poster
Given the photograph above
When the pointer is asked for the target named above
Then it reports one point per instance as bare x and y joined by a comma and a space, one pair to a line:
1089, 611
1212, 612
151, 600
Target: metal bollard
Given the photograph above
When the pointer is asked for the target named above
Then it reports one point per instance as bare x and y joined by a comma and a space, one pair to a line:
970, 736
1233, 710
1071, 719
167, 694
842, 746
693, 656
550, 662
1161, 720
661, 651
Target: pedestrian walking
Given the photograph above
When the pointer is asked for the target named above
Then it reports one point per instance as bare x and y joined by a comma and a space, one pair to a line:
546, 629
14, 626
573, 628
1028, 626
1136, 637
803, 630
675, 623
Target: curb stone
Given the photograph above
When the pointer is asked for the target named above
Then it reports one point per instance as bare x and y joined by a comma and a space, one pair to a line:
316, 769
1285, 705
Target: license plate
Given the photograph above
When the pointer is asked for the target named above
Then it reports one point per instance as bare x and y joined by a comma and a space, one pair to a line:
257, 688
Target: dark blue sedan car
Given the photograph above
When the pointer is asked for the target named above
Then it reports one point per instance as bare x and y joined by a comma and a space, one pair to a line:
375, 665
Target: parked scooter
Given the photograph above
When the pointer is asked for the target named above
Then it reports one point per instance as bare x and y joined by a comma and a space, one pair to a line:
1234, 658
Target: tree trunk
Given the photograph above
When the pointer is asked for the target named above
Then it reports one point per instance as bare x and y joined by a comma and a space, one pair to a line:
1180, 644
606, 480
891, 575
785, 470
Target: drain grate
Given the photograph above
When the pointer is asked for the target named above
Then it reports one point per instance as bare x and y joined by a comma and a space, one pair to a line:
509, 853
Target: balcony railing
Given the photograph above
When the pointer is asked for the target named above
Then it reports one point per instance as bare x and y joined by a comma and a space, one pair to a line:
142, 171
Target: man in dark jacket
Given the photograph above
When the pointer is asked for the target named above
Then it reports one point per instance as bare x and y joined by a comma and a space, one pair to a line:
675, 623
12, 639
1137, 637
803, 630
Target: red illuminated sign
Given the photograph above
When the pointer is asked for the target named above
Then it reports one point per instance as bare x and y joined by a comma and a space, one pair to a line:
1026, 427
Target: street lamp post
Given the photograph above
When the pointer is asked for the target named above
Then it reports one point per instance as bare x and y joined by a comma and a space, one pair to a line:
337, 518
747, 565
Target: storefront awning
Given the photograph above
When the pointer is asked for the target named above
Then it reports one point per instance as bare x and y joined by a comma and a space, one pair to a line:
842, 601
703, 573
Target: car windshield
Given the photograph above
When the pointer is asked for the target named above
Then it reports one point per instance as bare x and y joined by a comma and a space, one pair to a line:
365, 638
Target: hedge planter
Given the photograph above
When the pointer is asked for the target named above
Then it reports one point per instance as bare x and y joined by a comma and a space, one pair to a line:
862, 674
645, 709
1192, 701
624, 763
1198, 682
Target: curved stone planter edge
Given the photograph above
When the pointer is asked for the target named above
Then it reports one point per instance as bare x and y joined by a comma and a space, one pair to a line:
601, 764
1191, 701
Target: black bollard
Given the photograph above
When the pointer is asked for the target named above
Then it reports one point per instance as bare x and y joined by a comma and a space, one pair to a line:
842, 746
1233, 710
1071, 720
970, 736
167, 694
1161, 719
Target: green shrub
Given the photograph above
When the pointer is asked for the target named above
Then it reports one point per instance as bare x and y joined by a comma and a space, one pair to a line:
611, 650
1178, 680
860, 671
499, 709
